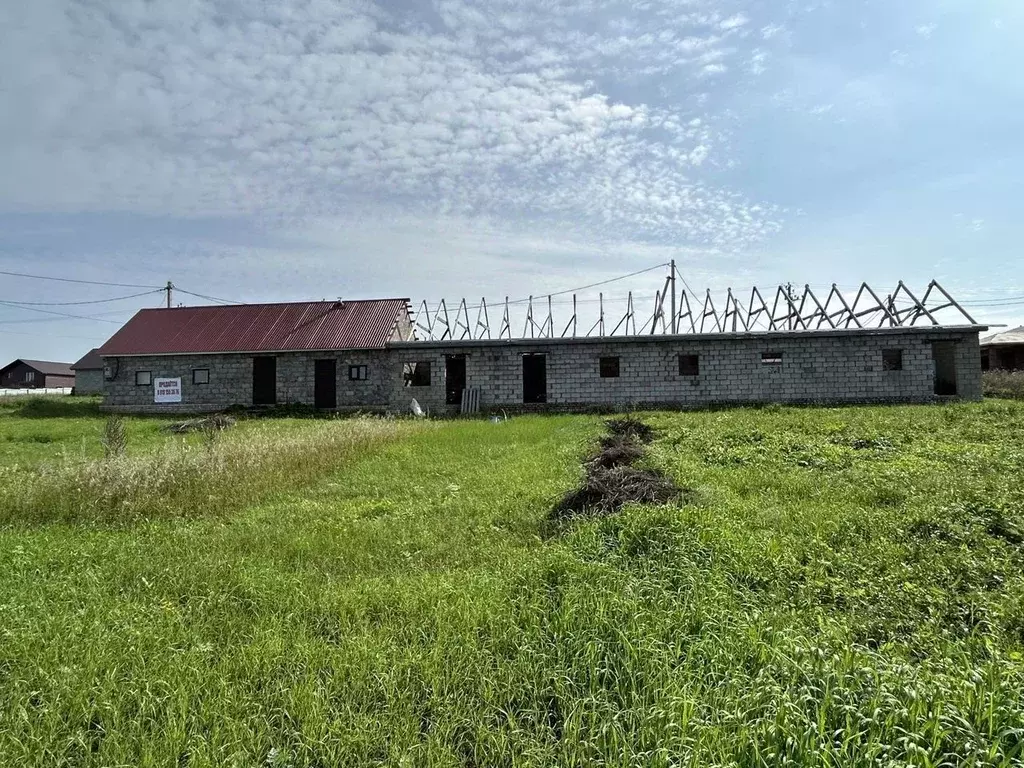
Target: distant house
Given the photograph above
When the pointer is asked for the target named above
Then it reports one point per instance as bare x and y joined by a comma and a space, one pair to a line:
1003, 351
89, 374
36, 374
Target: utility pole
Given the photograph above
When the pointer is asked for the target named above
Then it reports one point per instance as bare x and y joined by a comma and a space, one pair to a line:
672, 278
169, 289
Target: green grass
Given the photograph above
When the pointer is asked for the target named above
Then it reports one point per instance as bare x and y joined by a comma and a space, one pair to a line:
35, 429
841, 587
160, 474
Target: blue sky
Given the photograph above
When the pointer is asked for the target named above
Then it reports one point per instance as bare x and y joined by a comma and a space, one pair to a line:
313, 149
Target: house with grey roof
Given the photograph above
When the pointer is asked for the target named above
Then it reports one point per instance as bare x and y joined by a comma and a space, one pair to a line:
1003, 351
36, 374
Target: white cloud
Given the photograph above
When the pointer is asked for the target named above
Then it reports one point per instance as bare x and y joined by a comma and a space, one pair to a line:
305, 107
757, 65
699, 155
926, 30
734, 22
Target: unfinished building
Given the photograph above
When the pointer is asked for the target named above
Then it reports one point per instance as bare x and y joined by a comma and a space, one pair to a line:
378, 356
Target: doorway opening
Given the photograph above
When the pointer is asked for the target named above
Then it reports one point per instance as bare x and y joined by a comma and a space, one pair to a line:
264, 381
944, 355
535, 379
325, 384
454, 378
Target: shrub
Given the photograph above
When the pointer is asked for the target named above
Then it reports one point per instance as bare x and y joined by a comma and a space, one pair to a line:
1009, 384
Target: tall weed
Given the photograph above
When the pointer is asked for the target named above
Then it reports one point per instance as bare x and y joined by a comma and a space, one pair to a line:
184, 480
115, 437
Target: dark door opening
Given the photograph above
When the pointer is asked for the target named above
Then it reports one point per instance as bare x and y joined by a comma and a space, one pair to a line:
944, 355
264, 381
325, 383
535, 379
454, 378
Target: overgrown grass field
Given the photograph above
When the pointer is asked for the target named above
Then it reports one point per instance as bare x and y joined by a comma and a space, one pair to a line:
34, 429
834, 587
1008, 384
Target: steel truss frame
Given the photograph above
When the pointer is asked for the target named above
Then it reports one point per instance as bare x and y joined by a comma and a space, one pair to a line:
788, 309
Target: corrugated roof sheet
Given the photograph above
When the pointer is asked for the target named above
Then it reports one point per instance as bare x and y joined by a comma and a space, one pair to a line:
45, 367
309, 326
1013, 336
90, 362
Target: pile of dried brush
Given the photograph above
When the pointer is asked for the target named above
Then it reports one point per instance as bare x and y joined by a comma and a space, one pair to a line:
612, 480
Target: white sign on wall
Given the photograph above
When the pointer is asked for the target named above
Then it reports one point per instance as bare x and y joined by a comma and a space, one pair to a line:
167, 390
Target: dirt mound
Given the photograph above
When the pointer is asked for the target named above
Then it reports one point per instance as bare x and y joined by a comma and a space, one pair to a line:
612, 481
630, 427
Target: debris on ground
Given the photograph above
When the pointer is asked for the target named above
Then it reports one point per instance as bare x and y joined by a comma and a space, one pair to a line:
612, 480
631, 427
606, 490
617, 451
216, 422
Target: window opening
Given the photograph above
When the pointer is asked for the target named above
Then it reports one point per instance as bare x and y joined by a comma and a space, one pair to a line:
609, 367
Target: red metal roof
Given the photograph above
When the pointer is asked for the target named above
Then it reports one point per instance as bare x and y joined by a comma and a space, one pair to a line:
310, 326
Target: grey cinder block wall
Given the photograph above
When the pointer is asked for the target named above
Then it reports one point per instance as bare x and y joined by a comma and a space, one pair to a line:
88, 381
230, 381
883, 365
731, 368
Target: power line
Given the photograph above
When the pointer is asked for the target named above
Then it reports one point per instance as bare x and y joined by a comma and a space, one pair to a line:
60, 318
80, 282
541, 296
1010, 301
60, 314
93, 339
29, 304
208, 298
595, 285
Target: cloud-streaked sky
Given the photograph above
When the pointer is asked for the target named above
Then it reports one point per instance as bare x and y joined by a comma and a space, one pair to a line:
303, 149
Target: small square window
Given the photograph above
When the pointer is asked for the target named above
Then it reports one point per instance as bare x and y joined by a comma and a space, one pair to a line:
201, 376
358, 373
609, 367
416, 374
689, 365
892, 359
143, 378
30, 376
771, 358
